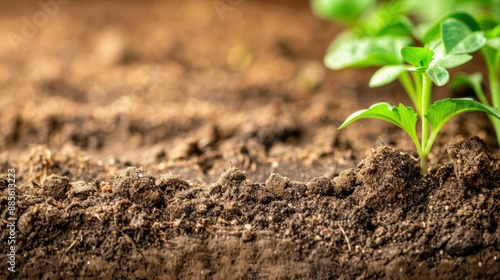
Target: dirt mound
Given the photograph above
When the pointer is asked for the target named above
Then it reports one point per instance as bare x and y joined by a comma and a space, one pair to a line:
372, 221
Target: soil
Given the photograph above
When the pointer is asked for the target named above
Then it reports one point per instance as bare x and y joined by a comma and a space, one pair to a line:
168, 140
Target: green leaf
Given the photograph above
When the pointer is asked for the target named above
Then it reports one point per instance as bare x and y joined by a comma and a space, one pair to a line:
443, 110
416, 56
386, 75
433, 31
472, 80
340, 10
491, 51
438, 75
441, 58
494, 43
402, 26
493, 37
366, 52
488, 23
401, 116
459, 39
452, 60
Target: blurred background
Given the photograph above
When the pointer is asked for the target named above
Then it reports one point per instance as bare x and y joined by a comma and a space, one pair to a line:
69, 71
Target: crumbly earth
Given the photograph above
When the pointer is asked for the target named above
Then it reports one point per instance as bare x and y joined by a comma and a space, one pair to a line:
165, 140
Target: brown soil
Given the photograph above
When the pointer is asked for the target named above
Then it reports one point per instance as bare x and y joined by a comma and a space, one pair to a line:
157, 140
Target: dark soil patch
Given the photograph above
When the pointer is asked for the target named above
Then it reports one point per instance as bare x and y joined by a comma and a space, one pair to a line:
169, 156
365, 223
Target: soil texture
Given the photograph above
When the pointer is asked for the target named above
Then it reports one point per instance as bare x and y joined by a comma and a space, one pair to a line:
168, 140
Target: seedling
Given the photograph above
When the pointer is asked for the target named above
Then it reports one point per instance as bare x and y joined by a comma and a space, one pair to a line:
447, 43
490, 51
427, 65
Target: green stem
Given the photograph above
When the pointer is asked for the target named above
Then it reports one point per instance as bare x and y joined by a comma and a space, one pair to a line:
480, 94
482, 98
410, 89
423, 165
417, 79
432, 138
426, 101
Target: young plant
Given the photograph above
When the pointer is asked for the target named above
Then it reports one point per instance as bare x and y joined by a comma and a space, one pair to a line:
489, 30
427, 66
491, 55
385, 40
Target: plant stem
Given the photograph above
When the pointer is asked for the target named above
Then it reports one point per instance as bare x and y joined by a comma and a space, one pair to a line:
426, 100
423, 165
417, 79
480, 94
410, 89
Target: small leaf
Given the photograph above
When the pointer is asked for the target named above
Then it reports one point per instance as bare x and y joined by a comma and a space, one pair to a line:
402, 26
443, 59
452, 60
340, 10
494, 32
493, 37
386, 75
401, 116
494, 43
491, 52
489, 22
438, 75
443, 110
433, 32
416, 56
366, 52
459, 39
